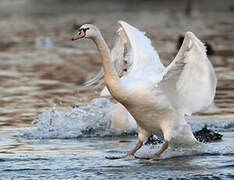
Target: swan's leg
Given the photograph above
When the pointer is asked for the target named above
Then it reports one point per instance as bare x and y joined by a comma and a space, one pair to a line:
130, 153
166, 130
142, 135
158, 153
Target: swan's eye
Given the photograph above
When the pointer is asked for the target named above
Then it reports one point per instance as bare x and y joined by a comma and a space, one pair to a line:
84, 29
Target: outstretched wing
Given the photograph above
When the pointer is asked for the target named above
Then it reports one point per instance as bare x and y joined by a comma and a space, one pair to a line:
143, 56
189, 81
132, 46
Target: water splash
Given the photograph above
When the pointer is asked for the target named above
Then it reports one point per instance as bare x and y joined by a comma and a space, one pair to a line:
215, 125
94, 120
89, 120
210, 149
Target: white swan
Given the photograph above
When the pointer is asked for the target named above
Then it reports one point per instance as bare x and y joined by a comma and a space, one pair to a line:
122, 60
158, 98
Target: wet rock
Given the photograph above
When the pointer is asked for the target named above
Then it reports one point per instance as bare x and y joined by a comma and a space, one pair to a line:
153, 140
205, 135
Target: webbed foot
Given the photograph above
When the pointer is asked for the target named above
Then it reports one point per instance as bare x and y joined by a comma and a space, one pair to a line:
116, 157
146, 158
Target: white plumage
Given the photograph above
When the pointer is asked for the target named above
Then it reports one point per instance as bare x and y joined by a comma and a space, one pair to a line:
186, 86
190, 81
157, 97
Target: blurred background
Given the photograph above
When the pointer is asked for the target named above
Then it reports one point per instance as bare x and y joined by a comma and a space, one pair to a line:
40, 66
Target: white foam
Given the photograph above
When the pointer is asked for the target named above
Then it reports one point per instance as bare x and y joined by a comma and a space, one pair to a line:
90, 120
213, 149
94, 120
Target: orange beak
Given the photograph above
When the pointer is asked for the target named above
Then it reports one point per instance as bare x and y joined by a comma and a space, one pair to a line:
80, 34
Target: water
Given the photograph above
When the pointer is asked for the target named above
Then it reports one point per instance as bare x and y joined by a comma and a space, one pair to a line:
72, 144
53, 128
84, 158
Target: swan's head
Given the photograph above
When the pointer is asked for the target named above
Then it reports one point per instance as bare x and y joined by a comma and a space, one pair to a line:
86, 31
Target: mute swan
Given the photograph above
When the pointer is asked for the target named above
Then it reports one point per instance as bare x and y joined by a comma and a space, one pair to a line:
158, 98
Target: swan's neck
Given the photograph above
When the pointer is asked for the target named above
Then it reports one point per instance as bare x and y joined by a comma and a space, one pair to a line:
111, 77
109, 70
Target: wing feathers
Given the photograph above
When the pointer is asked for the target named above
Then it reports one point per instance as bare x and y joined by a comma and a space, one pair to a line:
189, 81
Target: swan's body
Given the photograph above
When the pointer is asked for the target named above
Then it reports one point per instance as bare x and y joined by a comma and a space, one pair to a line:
121, 119
157, 97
